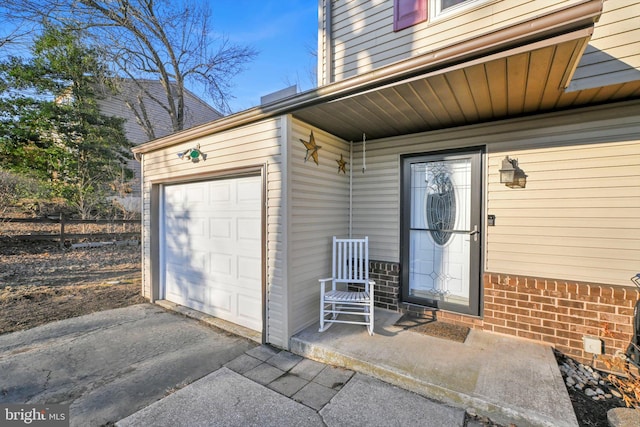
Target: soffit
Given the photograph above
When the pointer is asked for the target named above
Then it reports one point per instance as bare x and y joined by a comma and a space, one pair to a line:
511, 83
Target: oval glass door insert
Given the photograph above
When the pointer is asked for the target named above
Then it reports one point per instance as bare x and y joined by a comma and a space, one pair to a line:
440, 203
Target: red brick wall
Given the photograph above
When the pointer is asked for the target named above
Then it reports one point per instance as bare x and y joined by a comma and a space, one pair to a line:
387, 289
555, 312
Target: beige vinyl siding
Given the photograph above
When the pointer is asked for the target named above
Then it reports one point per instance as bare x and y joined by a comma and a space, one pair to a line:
578, 217
258, 144
363, 38
318, 210
613, 53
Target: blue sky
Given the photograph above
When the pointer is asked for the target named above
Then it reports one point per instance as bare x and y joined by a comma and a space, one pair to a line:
283, 32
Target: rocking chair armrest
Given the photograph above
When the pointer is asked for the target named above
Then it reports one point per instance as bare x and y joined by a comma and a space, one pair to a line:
323, 284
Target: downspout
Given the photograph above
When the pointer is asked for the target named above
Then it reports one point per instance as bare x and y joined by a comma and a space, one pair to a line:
350, 189
140, 157
328, 42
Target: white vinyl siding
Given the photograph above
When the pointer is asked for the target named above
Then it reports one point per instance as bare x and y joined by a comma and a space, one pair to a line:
318, 210
613, 53
363, 37
250, 146
578, 217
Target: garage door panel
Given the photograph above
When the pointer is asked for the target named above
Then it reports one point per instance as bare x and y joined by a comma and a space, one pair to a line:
195, 194
220, 192
249, 269
248, 229
248, 192
221, 264
183, 277
212, 248
220, 227
248, 306
176, 223
197, 294
221, 301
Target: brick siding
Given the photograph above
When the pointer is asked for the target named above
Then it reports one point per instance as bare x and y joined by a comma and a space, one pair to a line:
560, 313
555, 312
387, 278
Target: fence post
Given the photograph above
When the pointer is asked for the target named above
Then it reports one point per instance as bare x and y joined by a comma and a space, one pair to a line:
61, 231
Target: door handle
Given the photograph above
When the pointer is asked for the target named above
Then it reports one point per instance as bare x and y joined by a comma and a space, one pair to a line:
474, 233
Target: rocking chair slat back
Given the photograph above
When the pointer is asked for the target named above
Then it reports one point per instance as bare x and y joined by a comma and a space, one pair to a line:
350, 263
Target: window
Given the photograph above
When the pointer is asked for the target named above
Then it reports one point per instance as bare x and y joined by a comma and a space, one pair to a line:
411, 12
443, 6
408, 13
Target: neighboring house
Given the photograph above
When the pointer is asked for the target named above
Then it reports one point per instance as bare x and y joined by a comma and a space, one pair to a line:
148, 98
443, 92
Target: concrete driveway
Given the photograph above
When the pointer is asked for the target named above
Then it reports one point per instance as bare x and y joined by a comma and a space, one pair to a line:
110, 364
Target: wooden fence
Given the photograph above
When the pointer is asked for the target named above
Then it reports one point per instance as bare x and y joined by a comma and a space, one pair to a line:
64, 224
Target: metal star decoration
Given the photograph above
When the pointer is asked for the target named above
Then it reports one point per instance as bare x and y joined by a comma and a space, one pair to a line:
312, 148
342, 165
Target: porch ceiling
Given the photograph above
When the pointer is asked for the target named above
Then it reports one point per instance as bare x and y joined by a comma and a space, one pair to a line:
519, 81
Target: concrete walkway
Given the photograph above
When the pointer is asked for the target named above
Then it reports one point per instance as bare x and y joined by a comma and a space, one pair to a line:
346, 377
268, 387
109, 364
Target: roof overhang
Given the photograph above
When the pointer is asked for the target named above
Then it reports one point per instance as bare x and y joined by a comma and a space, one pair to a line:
508, 72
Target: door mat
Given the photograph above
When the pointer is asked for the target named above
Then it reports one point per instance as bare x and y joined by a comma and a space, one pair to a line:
433, 328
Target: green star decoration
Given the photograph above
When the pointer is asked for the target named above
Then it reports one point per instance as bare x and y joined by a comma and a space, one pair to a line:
312, 148
342, 165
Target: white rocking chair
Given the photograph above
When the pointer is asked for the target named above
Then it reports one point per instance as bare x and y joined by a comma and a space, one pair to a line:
350, 266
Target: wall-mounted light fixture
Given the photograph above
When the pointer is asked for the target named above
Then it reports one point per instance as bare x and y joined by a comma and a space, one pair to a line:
511, 175
193, 154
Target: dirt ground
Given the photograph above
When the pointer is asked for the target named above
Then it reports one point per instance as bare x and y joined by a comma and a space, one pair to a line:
40, 283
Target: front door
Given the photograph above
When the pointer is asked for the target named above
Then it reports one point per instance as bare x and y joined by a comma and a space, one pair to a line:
441, 230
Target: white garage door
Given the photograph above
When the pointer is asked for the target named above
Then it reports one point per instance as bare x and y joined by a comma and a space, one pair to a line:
212, 248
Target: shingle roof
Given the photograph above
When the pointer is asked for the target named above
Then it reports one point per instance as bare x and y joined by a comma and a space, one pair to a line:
197, 111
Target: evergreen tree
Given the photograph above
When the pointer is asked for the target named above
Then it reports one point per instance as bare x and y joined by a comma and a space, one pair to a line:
50, 124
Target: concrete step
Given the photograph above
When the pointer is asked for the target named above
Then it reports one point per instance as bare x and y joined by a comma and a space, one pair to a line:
504, 378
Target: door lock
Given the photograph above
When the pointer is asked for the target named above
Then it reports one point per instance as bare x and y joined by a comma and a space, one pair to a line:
474, 233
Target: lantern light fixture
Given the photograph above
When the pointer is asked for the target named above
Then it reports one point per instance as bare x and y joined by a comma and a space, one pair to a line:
511, 175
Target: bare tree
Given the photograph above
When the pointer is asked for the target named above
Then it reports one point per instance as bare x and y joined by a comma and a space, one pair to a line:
171, 42
13, 32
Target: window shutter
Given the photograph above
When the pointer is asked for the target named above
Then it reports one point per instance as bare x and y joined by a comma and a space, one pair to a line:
408, 13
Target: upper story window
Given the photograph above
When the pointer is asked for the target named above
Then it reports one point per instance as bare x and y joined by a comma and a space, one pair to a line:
411, 12
441, 6
408, 13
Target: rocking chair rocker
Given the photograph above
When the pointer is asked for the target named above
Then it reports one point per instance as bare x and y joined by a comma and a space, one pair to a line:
350, 266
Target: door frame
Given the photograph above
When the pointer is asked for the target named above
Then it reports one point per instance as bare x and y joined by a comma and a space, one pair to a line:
477, 248
156, 250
